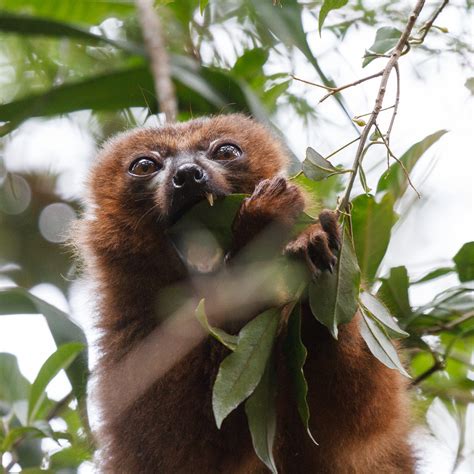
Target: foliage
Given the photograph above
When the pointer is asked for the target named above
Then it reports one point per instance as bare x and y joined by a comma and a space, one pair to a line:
63, 58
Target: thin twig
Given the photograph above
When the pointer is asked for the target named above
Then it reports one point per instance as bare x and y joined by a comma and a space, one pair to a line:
369, 113
395, 107
159, 59
452, 324
310, 83
335, 90
424, 30
342, 148
390, 153
344, 204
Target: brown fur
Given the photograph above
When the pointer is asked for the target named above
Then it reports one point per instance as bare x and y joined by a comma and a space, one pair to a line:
358, 406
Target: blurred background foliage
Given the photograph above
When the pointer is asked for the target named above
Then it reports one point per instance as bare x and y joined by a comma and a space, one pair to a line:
84, 60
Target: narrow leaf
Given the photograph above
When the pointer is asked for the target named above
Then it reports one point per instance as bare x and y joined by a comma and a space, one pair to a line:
464, 261
372, 224
80, 11
13, 385
316, 167
469, 84
21, 432
261, 415
296, 353
17, 300
203, 5
379, 343
439, 272
333, 297
59, 360
363, 180
241, 371
32, 26
378, 310
228, 340
394, 292
327, 6
395, 179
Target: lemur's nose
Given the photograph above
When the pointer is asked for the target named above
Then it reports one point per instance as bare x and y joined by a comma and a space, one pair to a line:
189, 175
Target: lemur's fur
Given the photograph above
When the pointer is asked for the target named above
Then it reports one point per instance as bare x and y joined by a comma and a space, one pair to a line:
359, 409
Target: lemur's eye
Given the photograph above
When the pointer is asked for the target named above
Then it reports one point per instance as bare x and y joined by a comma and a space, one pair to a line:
227, 151
144, 166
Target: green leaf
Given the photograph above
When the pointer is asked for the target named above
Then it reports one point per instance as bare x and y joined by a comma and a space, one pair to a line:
21, 432
394, 179
61, 359
70, 457
469, 84
381, 314
228, 340
261, 415
464, 261
13, 385
363, 180
32, 26
203, 5
372, 224
316, 167
333, 297
296, 353
326, 7
312, 193
250, 64
439, 272
80, 11
321, 194
394, 292
216, 219
19, 301
111, 91
286, 24
241, 371
379, 343
386, 38
271, 95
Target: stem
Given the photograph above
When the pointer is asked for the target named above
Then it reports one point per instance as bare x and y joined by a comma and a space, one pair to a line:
159, 59
424, 30
395, 107
390, 153
394, 57
342, 148
368, 113
335, 90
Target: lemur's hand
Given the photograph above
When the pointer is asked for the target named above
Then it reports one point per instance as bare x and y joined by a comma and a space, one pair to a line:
274, 201
318, 244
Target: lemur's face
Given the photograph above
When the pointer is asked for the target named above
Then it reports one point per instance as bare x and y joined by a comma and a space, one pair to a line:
157, 174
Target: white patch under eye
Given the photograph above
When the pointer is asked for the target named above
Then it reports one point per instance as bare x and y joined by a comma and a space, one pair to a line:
159, 178
215, 166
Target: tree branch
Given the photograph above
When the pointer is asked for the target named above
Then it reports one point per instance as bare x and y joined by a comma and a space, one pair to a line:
394, 57
335, 90
159, 59
438, 365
